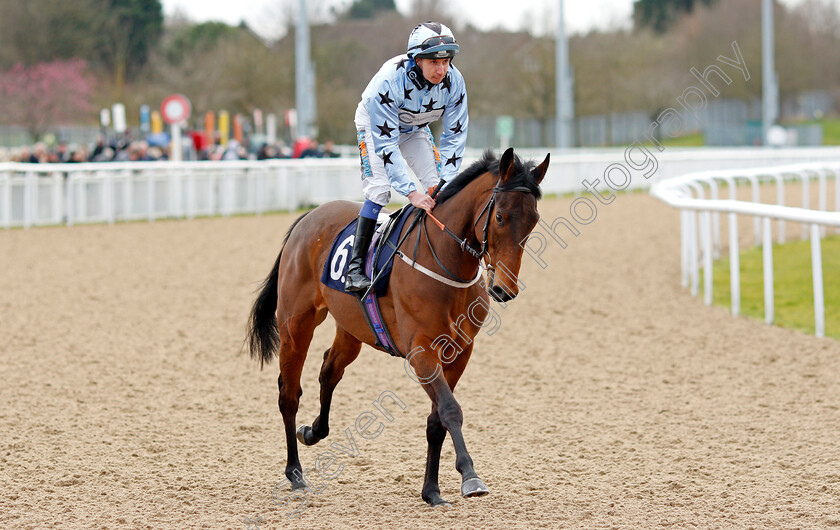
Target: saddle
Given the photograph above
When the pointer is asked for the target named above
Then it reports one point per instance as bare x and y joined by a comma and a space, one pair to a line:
378, 265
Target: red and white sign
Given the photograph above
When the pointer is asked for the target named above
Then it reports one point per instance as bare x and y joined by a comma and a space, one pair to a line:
175, 109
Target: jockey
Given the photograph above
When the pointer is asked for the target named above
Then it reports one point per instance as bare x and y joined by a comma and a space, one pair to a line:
392, 120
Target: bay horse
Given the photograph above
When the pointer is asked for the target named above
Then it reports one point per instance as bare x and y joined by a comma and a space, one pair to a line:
492, 206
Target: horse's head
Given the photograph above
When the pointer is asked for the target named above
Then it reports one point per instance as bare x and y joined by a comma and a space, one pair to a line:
512, 214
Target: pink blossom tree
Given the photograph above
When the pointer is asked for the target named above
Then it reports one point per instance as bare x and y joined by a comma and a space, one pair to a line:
46, 94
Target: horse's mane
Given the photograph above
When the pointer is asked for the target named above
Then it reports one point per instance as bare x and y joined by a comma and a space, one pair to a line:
522, 176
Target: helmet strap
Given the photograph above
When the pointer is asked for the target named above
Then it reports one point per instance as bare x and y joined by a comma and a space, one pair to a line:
416, 76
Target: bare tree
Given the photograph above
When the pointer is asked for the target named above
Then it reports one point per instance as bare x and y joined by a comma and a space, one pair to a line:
37, 31
237, 73
423, 10
822, 16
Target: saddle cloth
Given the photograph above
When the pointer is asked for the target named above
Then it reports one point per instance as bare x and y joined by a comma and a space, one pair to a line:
380, 253
336, 266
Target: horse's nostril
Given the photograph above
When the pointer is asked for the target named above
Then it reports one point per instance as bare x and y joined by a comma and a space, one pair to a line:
499, 294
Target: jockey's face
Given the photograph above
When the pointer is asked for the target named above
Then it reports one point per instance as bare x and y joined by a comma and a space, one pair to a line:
434, 70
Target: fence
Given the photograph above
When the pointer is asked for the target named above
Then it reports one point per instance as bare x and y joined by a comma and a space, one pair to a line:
45, 194
41, 194
688, 194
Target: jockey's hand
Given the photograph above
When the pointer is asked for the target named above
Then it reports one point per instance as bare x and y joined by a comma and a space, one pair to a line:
421, 200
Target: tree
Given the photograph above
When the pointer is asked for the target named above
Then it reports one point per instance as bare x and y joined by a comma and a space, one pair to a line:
220, 67
129, 30
369, 8
37, 31
429, 10
46, 94
188, 38
346, 57
661, 14
117, 34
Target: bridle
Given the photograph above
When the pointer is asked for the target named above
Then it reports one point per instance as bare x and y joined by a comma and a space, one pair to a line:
481, 253
453, 280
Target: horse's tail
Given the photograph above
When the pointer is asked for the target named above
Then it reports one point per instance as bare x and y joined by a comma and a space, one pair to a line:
264, 334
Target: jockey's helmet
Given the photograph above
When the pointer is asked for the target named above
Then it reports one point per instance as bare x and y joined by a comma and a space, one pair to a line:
432, 40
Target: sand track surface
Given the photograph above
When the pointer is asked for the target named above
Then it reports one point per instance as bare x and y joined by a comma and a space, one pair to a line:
608, 397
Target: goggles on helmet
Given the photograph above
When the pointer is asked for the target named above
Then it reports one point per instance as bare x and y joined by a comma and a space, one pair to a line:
436, 47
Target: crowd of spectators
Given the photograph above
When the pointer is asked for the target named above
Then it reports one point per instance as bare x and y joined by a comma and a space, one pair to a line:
302, 148
64, 153
141, 151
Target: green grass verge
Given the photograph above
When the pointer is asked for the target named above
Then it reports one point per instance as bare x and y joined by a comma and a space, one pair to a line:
695, 139
831, 129
689, 140
831, 134
792, 286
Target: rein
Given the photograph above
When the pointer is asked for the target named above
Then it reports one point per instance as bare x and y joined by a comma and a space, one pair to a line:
463, 243
453, 280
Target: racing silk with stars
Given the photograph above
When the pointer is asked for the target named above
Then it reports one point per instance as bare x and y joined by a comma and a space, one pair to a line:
399, 100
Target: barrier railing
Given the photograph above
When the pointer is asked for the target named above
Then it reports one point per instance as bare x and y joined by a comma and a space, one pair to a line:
700, 224
42, 194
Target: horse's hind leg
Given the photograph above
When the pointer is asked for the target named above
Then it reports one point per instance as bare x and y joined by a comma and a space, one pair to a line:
344, 350
295, 336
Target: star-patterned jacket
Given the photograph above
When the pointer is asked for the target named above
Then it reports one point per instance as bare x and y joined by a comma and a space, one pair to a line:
399, 100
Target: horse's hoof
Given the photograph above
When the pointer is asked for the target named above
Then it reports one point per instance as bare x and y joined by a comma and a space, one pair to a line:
295, 478
436, 501
301, 432
474, 487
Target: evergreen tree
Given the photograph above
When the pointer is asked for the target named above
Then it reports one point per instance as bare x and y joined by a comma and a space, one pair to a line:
660, 14
369, 8
205, 35
130, 29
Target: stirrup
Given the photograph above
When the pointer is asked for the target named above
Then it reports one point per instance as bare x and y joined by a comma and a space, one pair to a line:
356, 280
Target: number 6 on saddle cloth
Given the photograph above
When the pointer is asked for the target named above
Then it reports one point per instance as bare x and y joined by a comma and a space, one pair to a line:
378, 265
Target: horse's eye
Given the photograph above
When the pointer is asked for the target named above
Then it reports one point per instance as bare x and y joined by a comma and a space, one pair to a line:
500, 219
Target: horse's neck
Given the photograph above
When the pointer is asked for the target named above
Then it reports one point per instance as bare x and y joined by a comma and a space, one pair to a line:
459, 214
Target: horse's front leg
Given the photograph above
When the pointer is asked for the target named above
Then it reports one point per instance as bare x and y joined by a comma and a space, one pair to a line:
435, 435
450, 417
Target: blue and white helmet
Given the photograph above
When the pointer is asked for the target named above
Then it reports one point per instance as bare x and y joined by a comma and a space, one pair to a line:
432, 40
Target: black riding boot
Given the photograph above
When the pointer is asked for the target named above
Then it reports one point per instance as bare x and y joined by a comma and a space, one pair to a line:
356, 279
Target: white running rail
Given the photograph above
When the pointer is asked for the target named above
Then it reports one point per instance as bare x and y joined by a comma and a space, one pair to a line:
701, 214
107, 192
48, 194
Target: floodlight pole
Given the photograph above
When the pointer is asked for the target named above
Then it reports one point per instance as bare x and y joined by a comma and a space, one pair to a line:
304, 76
563, 89
769, 79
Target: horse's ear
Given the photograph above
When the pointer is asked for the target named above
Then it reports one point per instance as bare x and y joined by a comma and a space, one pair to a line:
540, 170
506, 164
